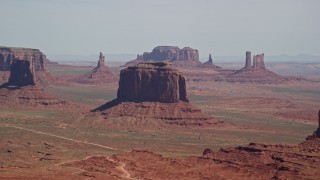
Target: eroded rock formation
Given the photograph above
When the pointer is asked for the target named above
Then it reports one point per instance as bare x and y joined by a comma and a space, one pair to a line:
155, 82
255, 73
101, 74
101, 60
209, 64
248, 60
154, 90
258, 62
8, 54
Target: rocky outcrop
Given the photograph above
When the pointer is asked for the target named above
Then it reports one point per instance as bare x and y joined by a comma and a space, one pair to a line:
155, 82
209, 64
258, 62
101, 61
101, 74
22, 73
248, 60
257, 73
316, 134
8, 54
155, 91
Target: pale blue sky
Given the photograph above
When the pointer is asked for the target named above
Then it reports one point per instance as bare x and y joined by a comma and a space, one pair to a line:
221, 27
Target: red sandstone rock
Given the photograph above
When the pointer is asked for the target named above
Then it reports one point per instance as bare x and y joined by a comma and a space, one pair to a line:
22, 73
154, 90
248, 60
257, 73
209, 64
155, 82
8, 54
99, 75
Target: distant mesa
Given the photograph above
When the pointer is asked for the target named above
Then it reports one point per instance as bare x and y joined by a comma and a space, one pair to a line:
8, 54
255, 72
27, 69
101, 74
154, 90
209, 64
185, 57
27, 66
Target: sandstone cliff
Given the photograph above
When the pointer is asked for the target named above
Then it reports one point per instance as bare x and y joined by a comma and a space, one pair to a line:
22, 73
8, 54
156, 82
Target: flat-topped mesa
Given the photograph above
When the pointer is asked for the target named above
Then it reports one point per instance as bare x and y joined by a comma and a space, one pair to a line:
248, 60
153, 82
258, 61
8, 54
22, 73
171, 53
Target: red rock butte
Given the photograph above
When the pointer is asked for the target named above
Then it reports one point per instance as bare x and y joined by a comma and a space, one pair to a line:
154, 82
23, 87
154, 90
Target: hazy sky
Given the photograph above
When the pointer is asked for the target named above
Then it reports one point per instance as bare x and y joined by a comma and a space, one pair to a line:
221, 27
